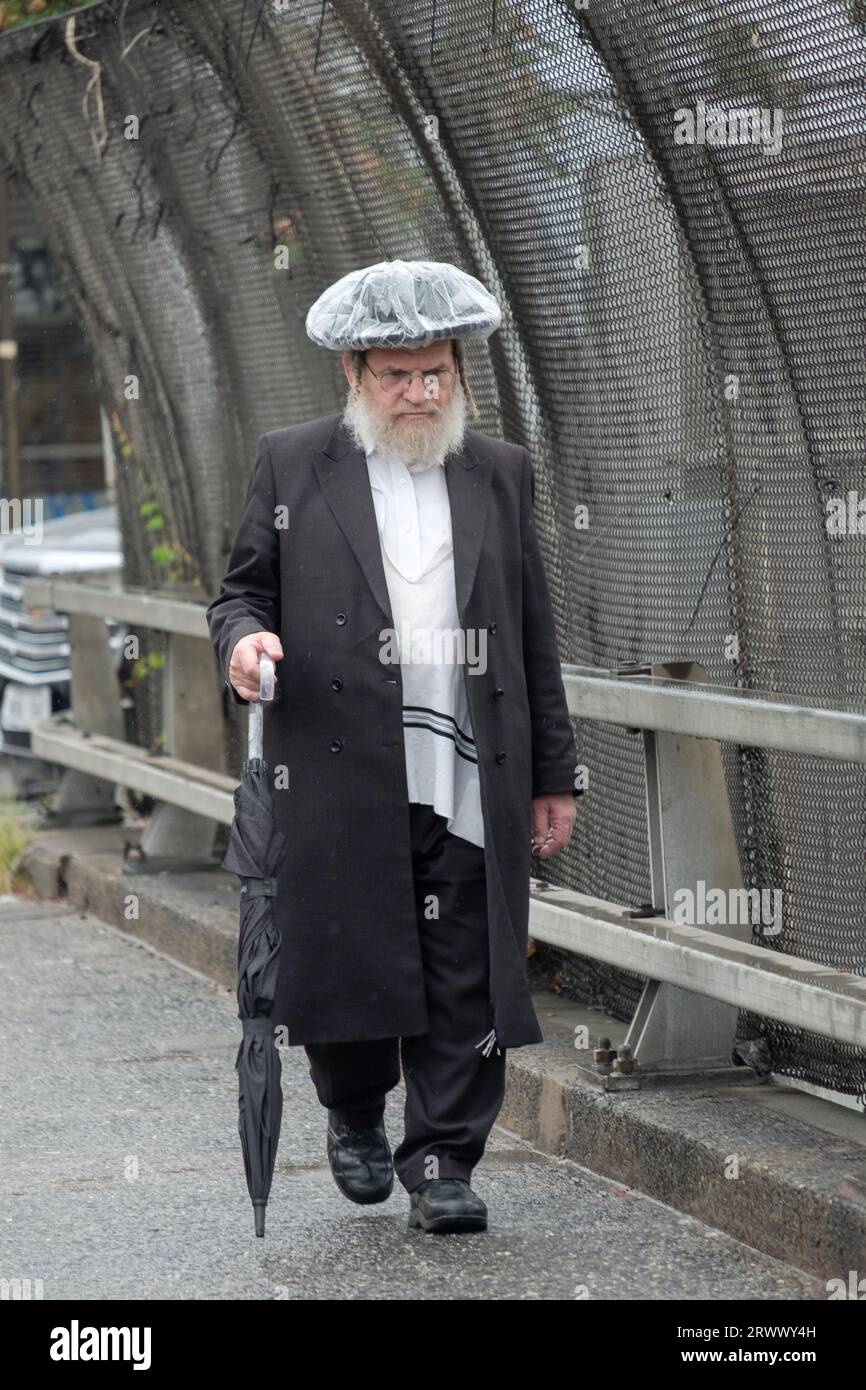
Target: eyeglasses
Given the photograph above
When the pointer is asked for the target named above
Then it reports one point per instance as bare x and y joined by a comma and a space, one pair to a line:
396, 380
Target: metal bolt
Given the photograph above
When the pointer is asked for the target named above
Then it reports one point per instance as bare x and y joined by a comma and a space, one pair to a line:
601, 1055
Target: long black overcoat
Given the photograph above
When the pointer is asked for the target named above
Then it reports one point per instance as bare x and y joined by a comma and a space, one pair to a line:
306, 564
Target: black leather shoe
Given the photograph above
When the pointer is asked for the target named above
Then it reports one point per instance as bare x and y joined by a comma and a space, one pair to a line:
440, 1205
360, 1161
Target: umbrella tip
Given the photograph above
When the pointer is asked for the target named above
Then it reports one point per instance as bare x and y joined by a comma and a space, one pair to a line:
259, 1210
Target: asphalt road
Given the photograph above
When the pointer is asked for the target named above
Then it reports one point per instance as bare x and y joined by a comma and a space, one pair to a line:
122, 1175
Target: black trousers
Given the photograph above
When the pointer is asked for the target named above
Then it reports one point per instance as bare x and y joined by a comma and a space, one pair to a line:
455, 1072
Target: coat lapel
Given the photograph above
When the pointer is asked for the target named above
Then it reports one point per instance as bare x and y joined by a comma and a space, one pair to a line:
341, 468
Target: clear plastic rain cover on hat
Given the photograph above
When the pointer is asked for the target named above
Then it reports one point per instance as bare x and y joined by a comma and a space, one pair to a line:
402, 304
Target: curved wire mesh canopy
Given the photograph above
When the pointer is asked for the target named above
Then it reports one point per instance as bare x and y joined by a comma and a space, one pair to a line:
666, 198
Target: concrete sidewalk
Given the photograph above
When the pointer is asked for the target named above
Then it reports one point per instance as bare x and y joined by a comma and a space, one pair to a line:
124, 1176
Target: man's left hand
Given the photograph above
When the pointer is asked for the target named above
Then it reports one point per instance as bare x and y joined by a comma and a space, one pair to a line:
553, 818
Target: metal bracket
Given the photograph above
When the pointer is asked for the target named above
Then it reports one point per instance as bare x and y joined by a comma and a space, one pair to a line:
691, 843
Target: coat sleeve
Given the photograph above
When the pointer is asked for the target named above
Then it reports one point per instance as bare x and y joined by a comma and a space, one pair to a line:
249, 596
554, 752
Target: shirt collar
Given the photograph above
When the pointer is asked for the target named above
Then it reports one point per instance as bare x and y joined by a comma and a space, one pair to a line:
395, 458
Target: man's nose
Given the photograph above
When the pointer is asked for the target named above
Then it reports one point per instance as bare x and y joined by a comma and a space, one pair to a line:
416, 391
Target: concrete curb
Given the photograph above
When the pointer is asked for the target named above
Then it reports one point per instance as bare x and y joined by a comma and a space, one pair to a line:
725, 1156
780, 1171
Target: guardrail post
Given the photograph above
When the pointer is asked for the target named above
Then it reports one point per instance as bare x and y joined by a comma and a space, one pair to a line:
692, 847
192, 721
95, 700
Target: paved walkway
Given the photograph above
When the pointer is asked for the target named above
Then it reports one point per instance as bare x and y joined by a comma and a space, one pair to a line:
122, 1174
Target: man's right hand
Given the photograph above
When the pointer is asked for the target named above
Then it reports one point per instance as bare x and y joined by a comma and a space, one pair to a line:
244, 664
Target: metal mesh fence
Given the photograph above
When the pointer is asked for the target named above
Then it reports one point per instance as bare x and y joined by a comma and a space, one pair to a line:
666, 196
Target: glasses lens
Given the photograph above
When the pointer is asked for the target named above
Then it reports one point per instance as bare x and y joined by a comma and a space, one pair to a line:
395, 380
392, 381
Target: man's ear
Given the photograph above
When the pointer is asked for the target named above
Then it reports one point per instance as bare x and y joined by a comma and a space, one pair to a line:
346, 360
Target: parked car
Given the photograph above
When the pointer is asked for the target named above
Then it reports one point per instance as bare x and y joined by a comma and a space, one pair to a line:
34, 644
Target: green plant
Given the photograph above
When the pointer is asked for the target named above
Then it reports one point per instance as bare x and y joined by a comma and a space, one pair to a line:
173, 562
166, 556
16, 12
153, 661
13, 838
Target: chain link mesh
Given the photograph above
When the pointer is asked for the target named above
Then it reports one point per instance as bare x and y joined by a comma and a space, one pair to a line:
682, 350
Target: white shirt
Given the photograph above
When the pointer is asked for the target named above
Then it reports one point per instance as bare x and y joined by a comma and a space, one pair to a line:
413, 514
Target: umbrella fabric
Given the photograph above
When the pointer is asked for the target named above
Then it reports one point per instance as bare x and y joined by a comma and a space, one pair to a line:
255, 851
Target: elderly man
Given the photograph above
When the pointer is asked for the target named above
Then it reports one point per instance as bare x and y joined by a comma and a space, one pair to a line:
421, 745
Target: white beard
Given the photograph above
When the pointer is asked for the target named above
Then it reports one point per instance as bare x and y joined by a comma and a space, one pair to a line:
414, 442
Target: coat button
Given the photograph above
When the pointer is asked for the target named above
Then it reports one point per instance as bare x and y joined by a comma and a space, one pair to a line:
500, 757
341, 619
491, 627
498, 693
336, 683
337, 745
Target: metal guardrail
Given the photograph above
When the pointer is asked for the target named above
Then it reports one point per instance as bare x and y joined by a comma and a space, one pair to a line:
818, 998
133, 606
188, 775
170, 780
708, 711
697, 979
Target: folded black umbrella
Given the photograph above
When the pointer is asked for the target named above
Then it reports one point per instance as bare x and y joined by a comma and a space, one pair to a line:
255, 851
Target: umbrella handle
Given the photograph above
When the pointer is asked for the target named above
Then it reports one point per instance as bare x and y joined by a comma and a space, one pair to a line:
255, 734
